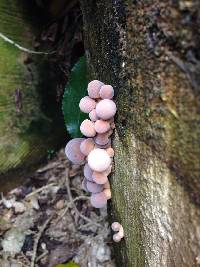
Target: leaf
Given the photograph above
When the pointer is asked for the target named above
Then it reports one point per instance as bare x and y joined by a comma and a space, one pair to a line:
69, 264
74, 91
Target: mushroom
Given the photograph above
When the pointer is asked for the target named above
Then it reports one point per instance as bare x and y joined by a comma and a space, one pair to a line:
117, 227
87, 104
106, 92
87, 128
87, 146
98, 200
110, 151
106, 109
102, 126
99, 177
72, 151
94, 88
87, 171
93, 115
102, 139
99, 160
93, 187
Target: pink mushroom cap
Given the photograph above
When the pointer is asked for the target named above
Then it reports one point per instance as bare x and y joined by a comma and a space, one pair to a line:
101, 126
87, 171
87, 146
87, 128
72, 151
99, 177
102, 139
106, 109
93, 115
87, 104
94, 88
98, 200
93, 187
106, 92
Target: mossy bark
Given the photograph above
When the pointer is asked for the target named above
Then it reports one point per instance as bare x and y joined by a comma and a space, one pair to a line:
149, 51
29, 115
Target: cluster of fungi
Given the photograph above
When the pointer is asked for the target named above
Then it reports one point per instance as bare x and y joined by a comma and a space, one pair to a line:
95, 149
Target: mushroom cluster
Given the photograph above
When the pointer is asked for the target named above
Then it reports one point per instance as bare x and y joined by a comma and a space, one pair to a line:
117, 227
95, 149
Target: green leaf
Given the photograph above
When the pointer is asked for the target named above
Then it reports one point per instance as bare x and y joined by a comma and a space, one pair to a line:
69, 264
74, 91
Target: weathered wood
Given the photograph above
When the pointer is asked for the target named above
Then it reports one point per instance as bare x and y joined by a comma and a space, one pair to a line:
149, 51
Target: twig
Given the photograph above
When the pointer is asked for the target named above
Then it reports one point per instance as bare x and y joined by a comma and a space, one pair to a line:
35, 247
6, 39
73, 204
39, 190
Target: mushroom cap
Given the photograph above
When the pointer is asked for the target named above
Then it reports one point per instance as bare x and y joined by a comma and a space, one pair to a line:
98, 200
93, 115
101, 139
110, 151
101, 126
72, 151
93, 187
87, 104
94, 88
106, 185
117, 238
106, 92
106, 109
99, 160
116, 226
87, 146
99, 177
87, 128
87, 171
107, 192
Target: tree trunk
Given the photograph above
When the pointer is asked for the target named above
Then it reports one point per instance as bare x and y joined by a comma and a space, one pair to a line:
150, 52
29, 115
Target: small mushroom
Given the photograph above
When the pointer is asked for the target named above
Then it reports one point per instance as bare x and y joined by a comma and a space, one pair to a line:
93, 187
110, 151
102, 139
87, 104
87, 171
72, 151
99, 177
98, 200
106, 92
99, 160
87, 146
107, 193
93, 115
106, 109
101, 126
94, 88
87, 128
117, 227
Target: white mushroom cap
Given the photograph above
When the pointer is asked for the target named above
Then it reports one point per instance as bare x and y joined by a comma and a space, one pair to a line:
99, 160
106, 109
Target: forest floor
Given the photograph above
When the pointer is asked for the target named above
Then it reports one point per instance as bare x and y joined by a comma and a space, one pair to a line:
49, 220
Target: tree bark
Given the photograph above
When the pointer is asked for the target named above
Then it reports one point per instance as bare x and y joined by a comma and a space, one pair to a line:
150, 52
